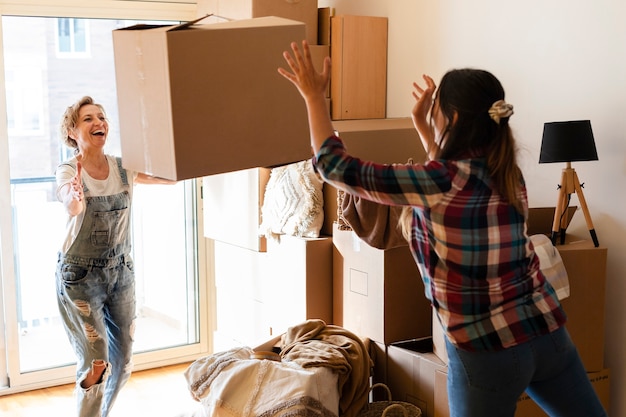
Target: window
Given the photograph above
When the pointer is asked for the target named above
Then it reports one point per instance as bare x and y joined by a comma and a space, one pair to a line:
24, 100
72, 37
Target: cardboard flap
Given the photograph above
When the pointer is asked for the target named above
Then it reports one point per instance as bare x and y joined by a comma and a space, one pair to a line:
540, 219
190, 23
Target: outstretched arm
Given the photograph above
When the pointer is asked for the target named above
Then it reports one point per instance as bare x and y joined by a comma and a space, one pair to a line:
312, 86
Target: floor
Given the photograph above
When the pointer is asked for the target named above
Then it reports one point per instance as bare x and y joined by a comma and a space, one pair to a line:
160, 392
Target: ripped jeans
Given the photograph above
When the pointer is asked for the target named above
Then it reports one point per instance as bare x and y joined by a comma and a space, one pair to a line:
97, 303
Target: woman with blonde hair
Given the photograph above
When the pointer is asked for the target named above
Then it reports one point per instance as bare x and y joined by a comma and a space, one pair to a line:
95, 277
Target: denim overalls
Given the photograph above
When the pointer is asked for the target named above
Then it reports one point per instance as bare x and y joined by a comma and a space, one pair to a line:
96, 296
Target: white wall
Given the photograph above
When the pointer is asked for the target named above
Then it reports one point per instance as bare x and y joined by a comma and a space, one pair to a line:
558, 60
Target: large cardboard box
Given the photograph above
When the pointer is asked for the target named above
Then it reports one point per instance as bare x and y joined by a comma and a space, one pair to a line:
377, 294
301, 10
299, 283
201, 99
262, 294
241, 317
323, 25
411, 369
386, 141
525, 406
232, 205
586, 271
358, 81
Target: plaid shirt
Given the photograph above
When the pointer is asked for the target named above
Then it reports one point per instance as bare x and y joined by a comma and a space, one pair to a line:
479, 269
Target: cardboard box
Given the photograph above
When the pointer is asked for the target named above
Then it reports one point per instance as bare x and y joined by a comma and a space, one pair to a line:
299, 282
323, 25
358, 81
241, 317
525, 406
386, 141
378, 355
377, 294
232, 207
302, 10
540, 219
586, 272
411, 369
262, 294
202, 99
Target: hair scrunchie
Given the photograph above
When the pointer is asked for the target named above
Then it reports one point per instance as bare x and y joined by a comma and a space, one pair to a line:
500, 110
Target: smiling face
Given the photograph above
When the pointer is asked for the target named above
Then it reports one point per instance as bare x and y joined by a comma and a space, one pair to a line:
91, 128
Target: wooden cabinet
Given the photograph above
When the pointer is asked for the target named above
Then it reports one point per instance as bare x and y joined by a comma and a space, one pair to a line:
358, 88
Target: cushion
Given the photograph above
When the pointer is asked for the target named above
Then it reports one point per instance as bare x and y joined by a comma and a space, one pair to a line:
293, 202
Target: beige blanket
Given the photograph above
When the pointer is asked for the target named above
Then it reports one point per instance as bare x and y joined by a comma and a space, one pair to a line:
316, 344
324, 371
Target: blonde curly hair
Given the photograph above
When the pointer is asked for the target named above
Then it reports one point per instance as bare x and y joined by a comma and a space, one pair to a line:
70, 119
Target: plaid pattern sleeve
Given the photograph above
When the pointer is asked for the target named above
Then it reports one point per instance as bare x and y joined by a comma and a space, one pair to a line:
478, 265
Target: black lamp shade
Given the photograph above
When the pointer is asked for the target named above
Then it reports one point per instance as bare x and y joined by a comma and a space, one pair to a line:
568, 142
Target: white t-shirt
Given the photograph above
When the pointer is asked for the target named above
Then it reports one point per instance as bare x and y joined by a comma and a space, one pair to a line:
110, 186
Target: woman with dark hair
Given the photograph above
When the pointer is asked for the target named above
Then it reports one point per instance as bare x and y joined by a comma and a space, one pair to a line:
465, 219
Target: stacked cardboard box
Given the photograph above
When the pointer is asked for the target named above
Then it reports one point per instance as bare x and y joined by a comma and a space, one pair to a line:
305, 11
378, 293
262, 294
191, 106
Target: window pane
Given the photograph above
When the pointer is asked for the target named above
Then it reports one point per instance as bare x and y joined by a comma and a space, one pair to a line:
80, 35
63, 35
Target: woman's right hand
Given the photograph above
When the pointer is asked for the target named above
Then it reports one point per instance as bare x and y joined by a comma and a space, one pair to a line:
76, 184
73, 199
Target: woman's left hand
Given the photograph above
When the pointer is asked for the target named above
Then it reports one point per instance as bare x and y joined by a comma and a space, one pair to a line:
303, 75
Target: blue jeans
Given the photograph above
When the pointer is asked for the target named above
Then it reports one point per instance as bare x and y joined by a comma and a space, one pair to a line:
548, 368
97, 304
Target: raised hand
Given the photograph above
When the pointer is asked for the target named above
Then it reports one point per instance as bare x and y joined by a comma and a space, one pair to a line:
423, 100
76, 184
312, 86
303, 74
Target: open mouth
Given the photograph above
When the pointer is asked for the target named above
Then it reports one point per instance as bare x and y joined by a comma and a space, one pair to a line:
98, 133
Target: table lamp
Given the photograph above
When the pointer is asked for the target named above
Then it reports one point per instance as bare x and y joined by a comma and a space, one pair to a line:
568, 142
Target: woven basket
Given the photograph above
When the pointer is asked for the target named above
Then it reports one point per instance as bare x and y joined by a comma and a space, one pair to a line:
389, 408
